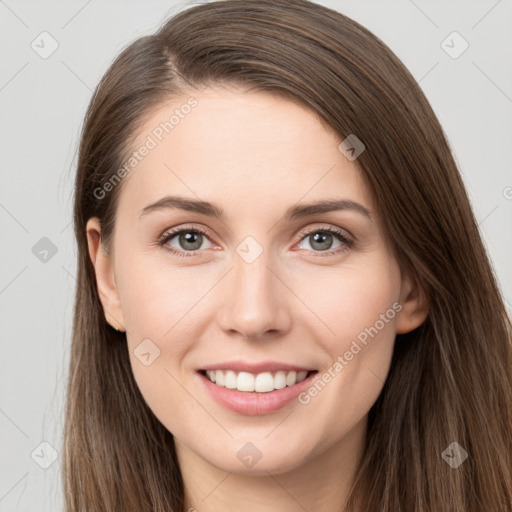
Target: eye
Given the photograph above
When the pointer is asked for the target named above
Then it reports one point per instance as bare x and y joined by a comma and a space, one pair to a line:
187, 240
321, 240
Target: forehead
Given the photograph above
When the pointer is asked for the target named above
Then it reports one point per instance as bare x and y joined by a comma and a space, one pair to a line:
241, 148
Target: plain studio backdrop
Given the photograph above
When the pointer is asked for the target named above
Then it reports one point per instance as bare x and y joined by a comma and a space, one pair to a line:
54, 54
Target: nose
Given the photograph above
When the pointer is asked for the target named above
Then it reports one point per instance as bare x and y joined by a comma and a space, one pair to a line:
254, 301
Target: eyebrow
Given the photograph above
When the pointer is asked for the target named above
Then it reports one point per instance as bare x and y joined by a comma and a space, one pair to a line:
295, 212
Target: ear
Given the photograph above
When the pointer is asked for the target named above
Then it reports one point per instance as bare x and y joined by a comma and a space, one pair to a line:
105, 279
415, 306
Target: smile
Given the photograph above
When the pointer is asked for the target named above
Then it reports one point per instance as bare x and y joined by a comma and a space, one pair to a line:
264, 382
255, 393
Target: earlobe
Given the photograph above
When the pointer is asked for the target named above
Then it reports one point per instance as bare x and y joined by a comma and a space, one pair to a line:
415, 306
104, 270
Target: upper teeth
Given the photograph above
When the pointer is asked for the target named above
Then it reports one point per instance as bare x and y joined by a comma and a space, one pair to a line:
262, 382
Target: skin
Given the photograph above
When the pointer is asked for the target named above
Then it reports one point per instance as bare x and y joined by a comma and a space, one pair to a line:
255, 155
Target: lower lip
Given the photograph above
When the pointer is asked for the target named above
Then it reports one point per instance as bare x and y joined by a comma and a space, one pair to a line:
254, 403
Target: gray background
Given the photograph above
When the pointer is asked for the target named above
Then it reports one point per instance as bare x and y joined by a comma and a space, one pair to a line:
43, 101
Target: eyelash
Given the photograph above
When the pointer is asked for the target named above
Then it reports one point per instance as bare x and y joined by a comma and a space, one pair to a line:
346, 240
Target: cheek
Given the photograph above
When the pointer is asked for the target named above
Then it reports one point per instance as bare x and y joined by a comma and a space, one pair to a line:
157, 298
351, 298
359, 314
162, 305
158, 304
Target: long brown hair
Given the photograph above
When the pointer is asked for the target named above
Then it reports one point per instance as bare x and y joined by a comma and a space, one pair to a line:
450, 379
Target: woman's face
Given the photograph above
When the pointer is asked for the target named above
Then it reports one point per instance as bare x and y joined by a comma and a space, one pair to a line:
265, 284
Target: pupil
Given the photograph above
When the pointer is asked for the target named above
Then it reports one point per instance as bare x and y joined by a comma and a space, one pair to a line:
321, 238
191, 238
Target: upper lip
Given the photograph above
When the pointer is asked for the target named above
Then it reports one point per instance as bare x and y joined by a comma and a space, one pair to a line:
264, 366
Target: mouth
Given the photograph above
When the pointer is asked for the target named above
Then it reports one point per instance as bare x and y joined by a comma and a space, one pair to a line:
263, 382
253, 394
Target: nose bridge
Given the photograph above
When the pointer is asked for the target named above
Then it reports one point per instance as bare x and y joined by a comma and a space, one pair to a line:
254, 302
253, 279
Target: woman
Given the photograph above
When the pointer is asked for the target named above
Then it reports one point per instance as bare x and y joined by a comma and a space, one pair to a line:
333, 338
